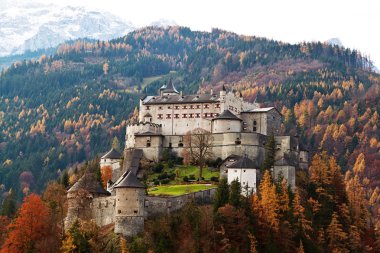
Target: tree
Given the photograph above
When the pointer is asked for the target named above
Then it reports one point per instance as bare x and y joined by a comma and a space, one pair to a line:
65, 179
235, 194
221, 195
269, 203
116, 143
106, 175
270, 153
30, 229
302, 227
198, 143
9, 204
336, 236
55, 197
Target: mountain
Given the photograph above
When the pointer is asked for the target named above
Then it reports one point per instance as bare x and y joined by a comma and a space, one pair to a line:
30, 26
63, 109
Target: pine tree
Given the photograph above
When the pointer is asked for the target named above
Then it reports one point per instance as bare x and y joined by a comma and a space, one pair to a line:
235, 194
116, 143
336, 236
269, 202
302, 224
221, 195
270, 153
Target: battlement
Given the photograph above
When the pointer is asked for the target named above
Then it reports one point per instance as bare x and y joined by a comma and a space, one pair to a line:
140, 123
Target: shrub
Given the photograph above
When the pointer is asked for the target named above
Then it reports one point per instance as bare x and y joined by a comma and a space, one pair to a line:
185, 179
170, 164
214, 179
158, 168
192, 177
162, 176
165, 181
156, 182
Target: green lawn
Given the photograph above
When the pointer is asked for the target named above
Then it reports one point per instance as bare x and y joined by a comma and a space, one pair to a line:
185, 170
176, 190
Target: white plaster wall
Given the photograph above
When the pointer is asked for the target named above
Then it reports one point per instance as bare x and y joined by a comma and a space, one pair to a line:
245, 177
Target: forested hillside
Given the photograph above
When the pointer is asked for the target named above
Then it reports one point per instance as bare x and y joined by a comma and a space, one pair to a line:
62, 109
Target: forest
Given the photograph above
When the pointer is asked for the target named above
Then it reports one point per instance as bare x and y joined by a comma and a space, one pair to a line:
58, 111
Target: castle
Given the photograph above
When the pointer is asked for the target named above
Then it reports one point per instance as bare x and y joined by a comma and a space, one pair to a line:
239, 130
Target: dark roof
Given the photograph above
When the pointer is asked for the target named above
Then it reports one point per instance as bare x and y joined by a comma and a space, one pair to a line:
227, 115
148, 133
148, 115
89, 183
129, 181
169, 88
182, 99
245, 163
112, 154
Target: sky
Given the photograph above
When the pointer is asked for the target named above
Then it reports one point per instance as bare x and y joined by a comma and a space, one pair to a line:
355, 23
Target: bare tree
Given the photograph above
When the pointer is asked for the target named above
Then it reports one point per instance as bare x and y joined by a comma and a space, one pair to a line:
198, 145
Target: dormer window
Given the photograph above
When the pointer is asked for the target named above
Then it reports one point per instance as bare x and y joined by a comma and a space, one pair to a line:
147, 107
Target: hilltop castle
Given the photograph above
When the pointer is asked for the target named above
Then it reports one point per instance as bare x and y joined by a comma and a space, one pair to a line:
239, 131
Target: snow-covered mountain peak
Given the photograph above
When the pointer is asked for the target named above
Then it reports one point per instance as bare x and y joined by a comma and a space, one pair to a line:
32, 26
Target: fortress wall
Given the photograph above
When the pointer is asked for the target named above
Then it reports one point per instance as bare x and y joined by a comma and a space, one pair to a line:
165, 205
103, 210
287, 172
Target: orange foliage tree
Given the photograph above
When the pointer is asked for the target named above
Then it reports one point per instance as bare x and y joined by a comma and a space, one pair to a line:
106, 172
30, 229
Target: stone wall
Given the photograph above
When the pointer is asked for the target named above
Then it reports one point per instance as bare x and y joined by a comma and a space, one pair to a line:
103, 210
165, 205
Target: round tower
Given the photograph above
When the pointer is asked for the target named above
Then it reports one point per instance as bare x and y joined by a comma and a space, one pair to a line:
129, 209
80, 196
226, 122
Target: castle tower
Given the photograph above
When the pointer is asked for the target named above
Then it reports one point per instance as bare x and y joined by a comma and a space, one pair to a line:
80, 197
168, 89
129, 210
226, 122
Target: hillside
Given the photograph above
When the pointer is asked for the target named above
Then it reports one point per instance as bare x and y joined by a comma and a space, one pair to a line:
60, 110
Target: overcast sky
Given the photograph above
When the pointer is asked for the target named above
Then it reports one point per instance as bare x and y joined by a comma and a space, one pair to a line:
355, 23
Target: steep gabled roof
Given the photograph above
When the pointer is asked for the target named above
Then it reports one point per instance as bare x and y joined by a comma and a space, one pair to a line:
169, 88
244, 163
89, 183
129, 180
227, 115
112, 154
182, 99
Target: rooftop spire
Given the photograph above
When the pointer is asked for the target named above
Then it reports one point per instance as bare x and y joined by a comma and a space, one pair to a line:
169, 88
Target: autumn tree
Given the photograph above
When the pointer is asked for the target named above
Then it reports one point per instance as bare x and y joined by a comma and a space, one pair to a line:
116, 143
29, 231
198, 144
106, 172
336, 236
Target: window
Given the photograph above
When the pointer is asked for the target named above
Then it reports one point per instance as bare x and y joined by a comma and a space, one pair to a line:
169, 107
170, 144
176, 116
176, 107
184, 115
147, 107
254, 129
168, 116
191, 115
160, 108
206, 106
184, 107
197, 115
243, 170
198, 106
254, 122
180, 144
205, 115
217, 106
118, 211
235, 171
191, 107
159, 116
135, 211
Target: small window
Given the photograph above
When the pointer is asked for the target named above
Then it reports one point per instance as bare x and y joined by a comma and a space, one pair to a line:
243, 170
254, 122
148, 107
198, 106
191, 107
118, 211
170, 144
235, 171
254, 129
160, 108
176, 107
184, 107
180, 144
217, 106
135, 211
169, 107
184, 115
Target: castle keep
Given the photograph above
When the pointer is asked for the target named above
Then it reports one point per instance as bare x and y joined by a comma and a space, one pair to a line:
239, 130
